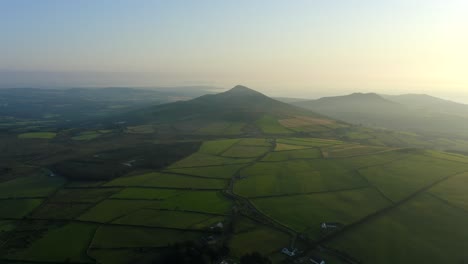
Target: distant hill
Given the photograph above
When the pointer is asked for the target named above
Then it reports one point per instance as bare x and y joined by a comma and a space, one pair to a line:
415, 113
240, 106
430, 103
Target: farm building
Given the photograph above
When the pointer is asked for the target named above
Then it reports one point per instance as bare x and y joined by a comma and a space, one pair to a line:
330, 225
316, 260
288, 252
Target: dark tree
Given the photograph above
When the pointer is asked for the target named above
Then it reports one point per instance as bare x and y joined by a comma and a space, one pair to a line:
254, 258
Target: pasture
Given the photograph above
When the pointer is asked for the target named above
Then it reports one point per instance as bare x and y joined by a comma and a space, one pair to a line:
169, 219
305, 213
18, 208
294, 177
30, 186
270, 125
77, 237
419, 231
401, 178
37, 135
261, 238
221, 172
139, 237
166, 180
285, 155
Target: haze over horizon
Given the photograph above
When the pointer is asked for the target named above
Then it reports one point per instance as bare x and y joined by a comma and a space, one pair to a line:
297, 49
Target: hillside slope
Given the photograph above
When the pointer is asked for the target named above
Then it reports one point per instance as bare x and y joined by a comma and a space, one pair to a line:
239, 109
429, 117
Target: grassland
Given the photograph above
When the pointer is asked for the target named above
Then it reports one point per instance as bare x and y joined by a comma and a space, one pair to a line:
202, 160
401, 178
166, 180
37, 135
87, 135
139, 237
221, 172
351, 150
18, 208
270, 125
110, 210
292, 188
222, 128
285, 155
305, 213
411, 233
170, 219
30, 186
146, 194
281, 147
51, 247
242, 151
199, 201
308, 142
293, 177
215, 147
261, 238
143, 129
453, 191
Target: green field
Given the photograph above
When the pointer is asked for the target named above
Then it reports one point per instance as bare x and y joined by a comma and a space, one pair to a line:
282, 146
420, 231
401, 178
30, 186
37, 135
143, 129
146, 194
202, 160
310, 153
171, 219
61, 211
304, 213
82, 195
139, 237
221, 172
243, 151
166, 180
87, 135
215, 147
309, 142
51, 247
263, 239
350, 150
222, 128
199, 201
270, 125
18, 208
109, 210
293, 177
453, 191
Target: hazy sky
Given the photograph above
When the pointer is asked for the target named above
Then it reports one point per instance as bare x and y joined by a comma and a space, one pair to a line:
297, 47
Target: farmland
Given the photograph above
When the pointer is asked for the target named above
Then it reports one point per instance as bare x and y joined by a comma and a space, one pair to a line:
267, 193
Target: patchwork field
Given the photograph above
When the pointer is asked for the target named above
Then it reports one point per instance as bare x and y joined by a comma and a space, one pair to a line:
37, 135
305, 213
266, 192
166, 180
30, 186
270, 125
78, 237
410, 233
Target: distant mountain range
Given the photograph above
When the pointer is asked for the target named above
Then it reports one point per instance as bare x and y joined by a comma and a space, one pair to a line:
422, 114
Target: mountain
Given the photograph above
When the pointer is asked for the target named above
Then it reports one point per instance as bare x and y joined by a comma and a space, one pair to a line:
414, 113
239, 105
430, 103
